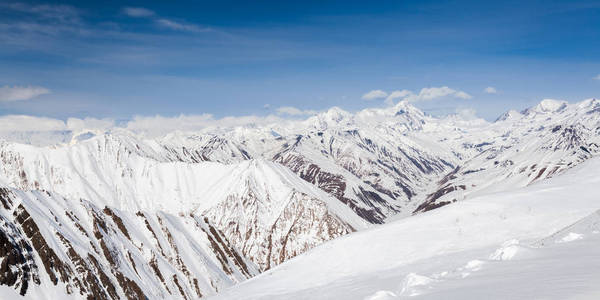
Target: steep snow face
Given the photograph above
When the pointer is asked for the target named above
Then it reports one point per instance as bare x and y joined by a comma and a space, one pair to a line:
57, 248
272, 215
430, 254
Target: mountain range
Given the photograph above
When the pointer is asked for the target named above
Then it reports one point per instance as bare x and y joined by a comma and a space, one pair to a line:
116, 215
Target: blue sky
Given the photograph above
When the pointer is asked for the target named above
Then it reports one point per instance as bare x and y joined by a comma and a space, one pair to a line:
119, 59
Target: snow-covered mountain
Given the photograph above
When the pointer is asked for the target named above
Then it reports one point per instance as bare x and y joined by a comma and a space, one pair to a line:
540, 241
541, 142
189, 214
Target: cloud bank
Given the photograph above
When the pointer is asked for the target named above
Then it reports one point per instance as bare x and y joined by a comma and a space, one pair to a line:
150, 126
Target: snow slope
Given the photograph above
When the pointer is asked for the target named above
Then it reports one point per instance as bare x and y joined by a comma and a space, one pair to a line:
53, 248
439, 252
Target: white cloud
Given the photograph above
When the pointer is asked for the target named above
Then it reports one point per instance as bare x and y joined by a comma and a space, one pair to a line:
467, 113
398, 95
138, 12
374, 94
462, 95
173, 25
426, 94
19, 93
292, 111
490, 90
438, 92
597, 77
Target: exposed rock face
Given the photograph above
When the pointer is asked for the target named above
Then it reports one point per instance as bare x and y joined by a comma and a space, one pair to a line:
335, 185
17, 269
304, 222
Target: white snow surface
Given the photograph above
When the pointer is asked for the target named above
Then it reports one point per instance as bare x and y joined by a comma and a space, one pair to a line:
508, 245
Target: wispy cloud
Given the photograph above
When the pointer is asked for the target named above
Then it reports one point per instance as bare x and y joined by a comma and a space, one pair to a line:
597, 77
293, 111
142, 12
138, 12
178, 26
56, 13
19, 93
426, 94
374, 94
491, 90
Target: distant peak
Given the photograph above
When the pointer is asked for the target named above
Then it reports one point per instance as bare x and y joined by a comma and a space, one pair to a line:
509, 115
547, 106
334, 114
403, 103
336, 111
589, 103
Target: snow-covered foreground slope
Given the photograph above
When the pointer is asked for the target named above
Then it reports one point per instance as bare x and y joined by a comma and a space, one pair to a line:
504, 245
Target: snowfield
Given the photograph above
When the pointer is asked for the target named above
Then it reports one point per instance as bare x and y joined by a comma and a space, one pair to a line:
536, 242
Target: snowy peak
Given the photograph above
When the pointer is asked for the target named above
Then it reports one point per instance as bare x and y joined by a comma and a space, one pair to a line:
404, 107
401, 116
509, 115
332, 118
547, 106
